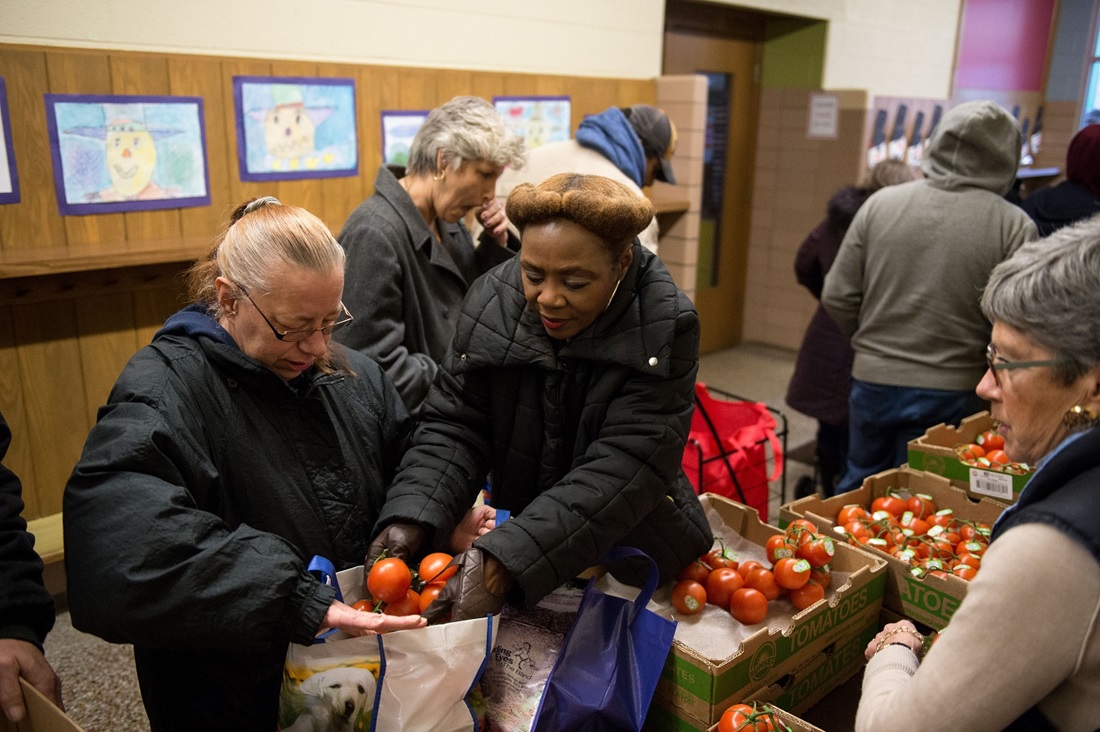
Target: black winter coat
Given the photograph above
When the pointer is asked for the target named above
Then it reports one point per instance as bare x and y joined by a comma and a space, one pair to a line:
584, 439
26, 609
1062, 205
822, 375
203, 490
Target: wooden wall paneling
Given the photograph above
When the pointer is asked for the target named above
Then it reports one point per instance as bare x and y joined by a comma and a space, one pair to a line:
417, 89
377, 90
154, 303
451, 83
342, 195
308, 193
53, 387
34, 222
592, 97
488, 84
145, 74
78, 72
13, 407
202, 76
637, 91
106, 332
239, 191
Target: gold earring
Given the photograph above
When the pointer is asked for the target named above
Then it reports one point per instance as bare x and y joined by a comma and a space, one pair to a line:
440, 175
1080, 418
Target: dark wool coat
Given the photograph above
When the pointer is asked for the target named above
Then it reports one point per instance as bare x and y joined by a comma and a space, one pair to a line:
584, 439
822, 374
26, 609
404, 287
204, 489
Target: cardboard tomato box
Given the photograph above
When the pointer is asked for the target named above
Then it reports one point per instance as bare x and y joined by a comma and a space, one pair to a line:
934, 452
932, 600
801, 689
704, 675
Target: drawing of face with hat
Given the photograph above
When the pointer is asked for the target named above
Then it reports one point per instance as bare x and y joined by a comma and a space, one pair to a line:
290, 127
130, 147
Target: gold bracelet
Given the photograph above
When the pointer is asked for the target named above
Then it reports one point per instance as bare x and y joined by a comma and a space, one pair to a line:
883, 642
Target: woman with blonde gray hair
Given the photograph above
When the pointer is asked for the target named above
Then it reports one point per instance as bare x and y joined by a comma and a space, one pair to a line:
570, 381
233, 448
1029, 627
411, 258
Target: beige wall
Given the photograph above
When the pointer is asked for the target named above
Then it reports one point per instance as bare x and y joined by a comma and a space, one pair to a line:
613, 38
895, 48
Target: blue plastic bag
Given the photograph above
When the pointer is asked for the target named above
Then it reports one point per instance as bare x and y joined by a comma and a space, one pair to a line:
608, 667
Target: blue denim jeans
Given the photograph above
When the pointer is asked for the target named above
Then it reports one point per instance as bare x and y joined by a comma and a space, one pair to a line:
883, 419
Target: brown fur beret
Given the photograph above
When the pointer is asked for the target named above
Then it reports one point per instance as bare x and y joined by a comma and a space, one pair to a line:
604, 207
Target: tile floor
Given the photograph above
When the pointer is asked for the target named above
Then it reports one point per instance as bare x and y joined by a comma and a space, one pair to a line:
100, 685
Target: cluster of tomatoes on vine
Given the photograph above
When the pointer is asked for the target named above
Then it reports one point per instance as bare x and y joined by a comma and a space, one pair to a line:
395, 589
910, 527
799, 572
751, 718
987, 451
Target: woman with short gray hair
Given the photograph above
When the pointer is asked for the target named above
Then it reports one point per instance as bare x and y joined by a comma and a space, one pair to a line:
1040, 577
411, 258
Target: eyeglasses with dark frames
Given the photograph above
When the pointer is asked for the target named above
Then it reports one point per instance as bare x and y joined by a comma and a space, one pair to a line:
996, 363
295, 336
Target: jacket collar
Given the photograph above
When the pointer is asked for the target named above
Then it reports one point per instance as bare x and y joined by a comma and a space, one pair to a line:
497, 329
387, 185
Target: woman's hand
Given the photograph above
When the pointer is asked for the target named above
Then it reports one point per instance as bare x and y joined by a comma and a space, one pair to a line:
903, 632
478, 521
354, 622
22, 659
491, 216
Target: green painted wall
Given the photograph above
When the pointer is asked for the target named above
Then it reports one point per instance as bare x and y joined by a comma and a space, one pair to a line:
794, 54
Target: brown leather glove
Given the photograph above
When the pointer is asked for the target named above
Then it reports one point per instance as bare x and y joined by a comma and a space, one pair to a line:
476, 590
397, 540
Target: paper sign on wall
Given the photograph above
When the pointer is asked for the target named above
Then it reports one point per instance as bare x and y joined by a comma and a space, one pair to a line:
824, 117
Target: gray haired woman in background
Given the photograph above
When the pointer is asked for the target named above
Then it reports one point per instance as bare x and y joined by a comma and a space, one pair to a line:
411, 258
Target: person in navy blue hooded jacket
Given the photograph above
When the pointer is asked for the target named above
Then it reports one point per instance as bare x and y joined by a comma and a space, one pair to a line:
630, 145
237, 445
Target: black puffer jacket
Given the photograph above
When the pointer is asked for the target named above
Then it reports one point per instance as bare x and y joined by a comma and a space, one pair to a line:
26, 609
584, 439
203, 490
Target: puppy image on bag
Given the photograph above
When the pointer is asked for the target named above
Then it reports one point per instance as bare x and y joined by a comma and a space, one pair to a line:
335, 700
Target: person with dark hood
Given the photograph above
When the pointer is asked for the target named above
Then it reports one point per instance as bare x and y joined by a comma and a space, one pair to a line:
631, 145
571, 382
906, 281
1078, 196
822, 371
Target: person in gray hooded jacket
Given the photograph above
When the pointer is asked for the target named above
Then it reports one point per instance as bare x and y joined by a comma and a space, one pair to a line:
906, 282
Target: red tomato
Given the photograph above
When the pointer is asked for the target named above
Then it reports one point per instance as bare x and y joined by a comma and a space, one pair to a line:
745, 567
945, 517
389, 580
722, 583
408, 605
990, 440
821, 576
428, 594
892, 504
964, 571
697, 571
807, 595
688, 597
978, 530
792, 573
742, 718
777, 547
763, 580
970, 451
721, 557
997, 457
800, 531
969, 559
921, 505
363, 606
433, 568
818, 552
851, 512
748, 606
